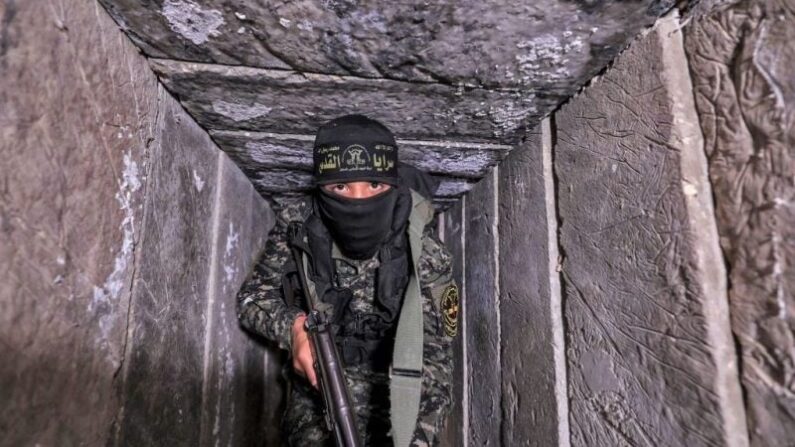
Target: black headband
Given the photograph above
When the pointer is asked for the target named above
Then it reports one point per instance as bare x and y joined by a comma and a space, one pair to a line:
354, 147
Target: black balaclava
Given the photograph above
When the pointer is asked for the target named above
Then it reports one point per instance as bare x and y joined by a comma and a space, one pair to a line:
356, 148
359, 226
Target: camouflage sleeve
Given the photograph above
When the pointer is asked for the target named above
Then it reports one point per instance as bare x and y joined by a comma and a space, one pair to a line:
260, 303
440, 306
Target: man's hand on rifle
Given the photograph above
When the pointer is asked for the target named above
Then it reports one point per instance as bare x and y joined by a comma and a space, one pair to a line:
303, 360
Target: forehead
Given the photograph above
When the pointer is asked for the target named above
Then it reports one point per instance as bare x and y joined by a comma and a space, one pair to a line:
352, 183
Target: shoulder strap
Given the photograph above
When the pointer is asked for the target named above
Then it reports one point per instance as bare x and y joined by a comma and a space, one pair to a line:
406, 372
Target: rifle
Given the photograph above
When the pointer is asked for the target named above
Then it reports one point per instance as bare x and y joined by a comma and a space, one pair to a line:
340, 417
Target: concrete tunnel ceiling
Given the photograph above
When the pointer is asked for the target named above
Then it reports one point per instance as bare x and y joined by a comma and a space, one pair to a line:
459, 82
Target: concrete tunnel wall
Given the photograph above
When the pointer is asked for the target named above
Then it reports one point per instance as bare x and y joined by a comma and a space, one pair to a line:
606, 302
125, 232
628, 276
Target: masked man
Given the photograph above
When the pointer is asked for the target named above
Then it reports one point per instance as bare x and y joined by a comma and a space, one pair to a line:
388, 278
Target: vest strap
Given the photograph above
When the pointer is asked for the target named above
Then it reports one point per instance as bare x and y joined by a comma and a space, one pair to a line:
406, 371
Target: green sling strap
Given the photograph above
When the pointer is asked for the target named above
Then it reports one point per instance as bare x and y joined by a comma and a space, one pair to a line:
406, 372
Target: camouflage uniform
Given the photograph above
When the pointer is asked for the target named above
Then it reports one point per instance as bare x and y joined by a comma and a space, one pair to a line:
262, 309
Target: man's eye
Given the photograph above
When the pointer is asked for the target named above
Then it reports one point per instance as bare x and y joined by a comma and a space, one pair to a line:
375, 185
339, 187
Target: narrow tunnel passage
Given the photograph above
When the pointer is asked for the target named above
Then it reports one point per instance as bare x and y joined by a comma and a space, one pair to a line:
615, 188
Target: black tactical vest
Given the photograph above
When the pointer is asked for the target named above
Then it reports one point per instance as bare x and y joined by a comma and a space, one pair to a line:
363, 338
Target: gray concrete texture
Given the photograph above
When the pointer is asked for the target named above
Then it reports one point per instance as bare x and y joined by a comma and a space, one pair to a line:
446, 42
534, 406
452, 232
649, 351
441, 73
72, 209
741, 61
129, 231
510, 387
223, 97
126, 233
283, 162
649, 354
481, 318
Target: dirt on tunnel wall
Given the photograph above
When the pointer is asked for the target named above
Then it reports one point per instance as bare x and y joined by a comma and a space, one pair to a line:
125, 235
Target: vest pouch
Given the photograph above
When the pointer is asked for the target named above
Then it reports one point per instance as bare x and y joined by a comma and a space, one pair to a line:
375, 355
391, 290
338, 298
291, 287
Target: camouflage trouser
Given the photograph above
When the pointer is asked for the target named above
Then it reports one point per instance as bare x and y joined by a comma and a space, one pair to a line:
304, 425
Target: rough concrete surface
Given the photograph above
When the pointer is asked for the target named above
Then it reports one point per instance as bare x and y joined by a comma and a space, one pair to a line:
482, 317
529, 321
171, 288
234, 389
552, 41
284, 101
283, 162
254, 151
126, 232
107, 204
273, 392
463, 71
452, 234
741, 61
77, 115
646, 344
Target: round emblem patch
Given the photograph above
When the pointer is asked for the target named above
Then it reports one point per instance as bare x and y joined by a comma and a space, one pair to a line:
450, 310
355, 158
